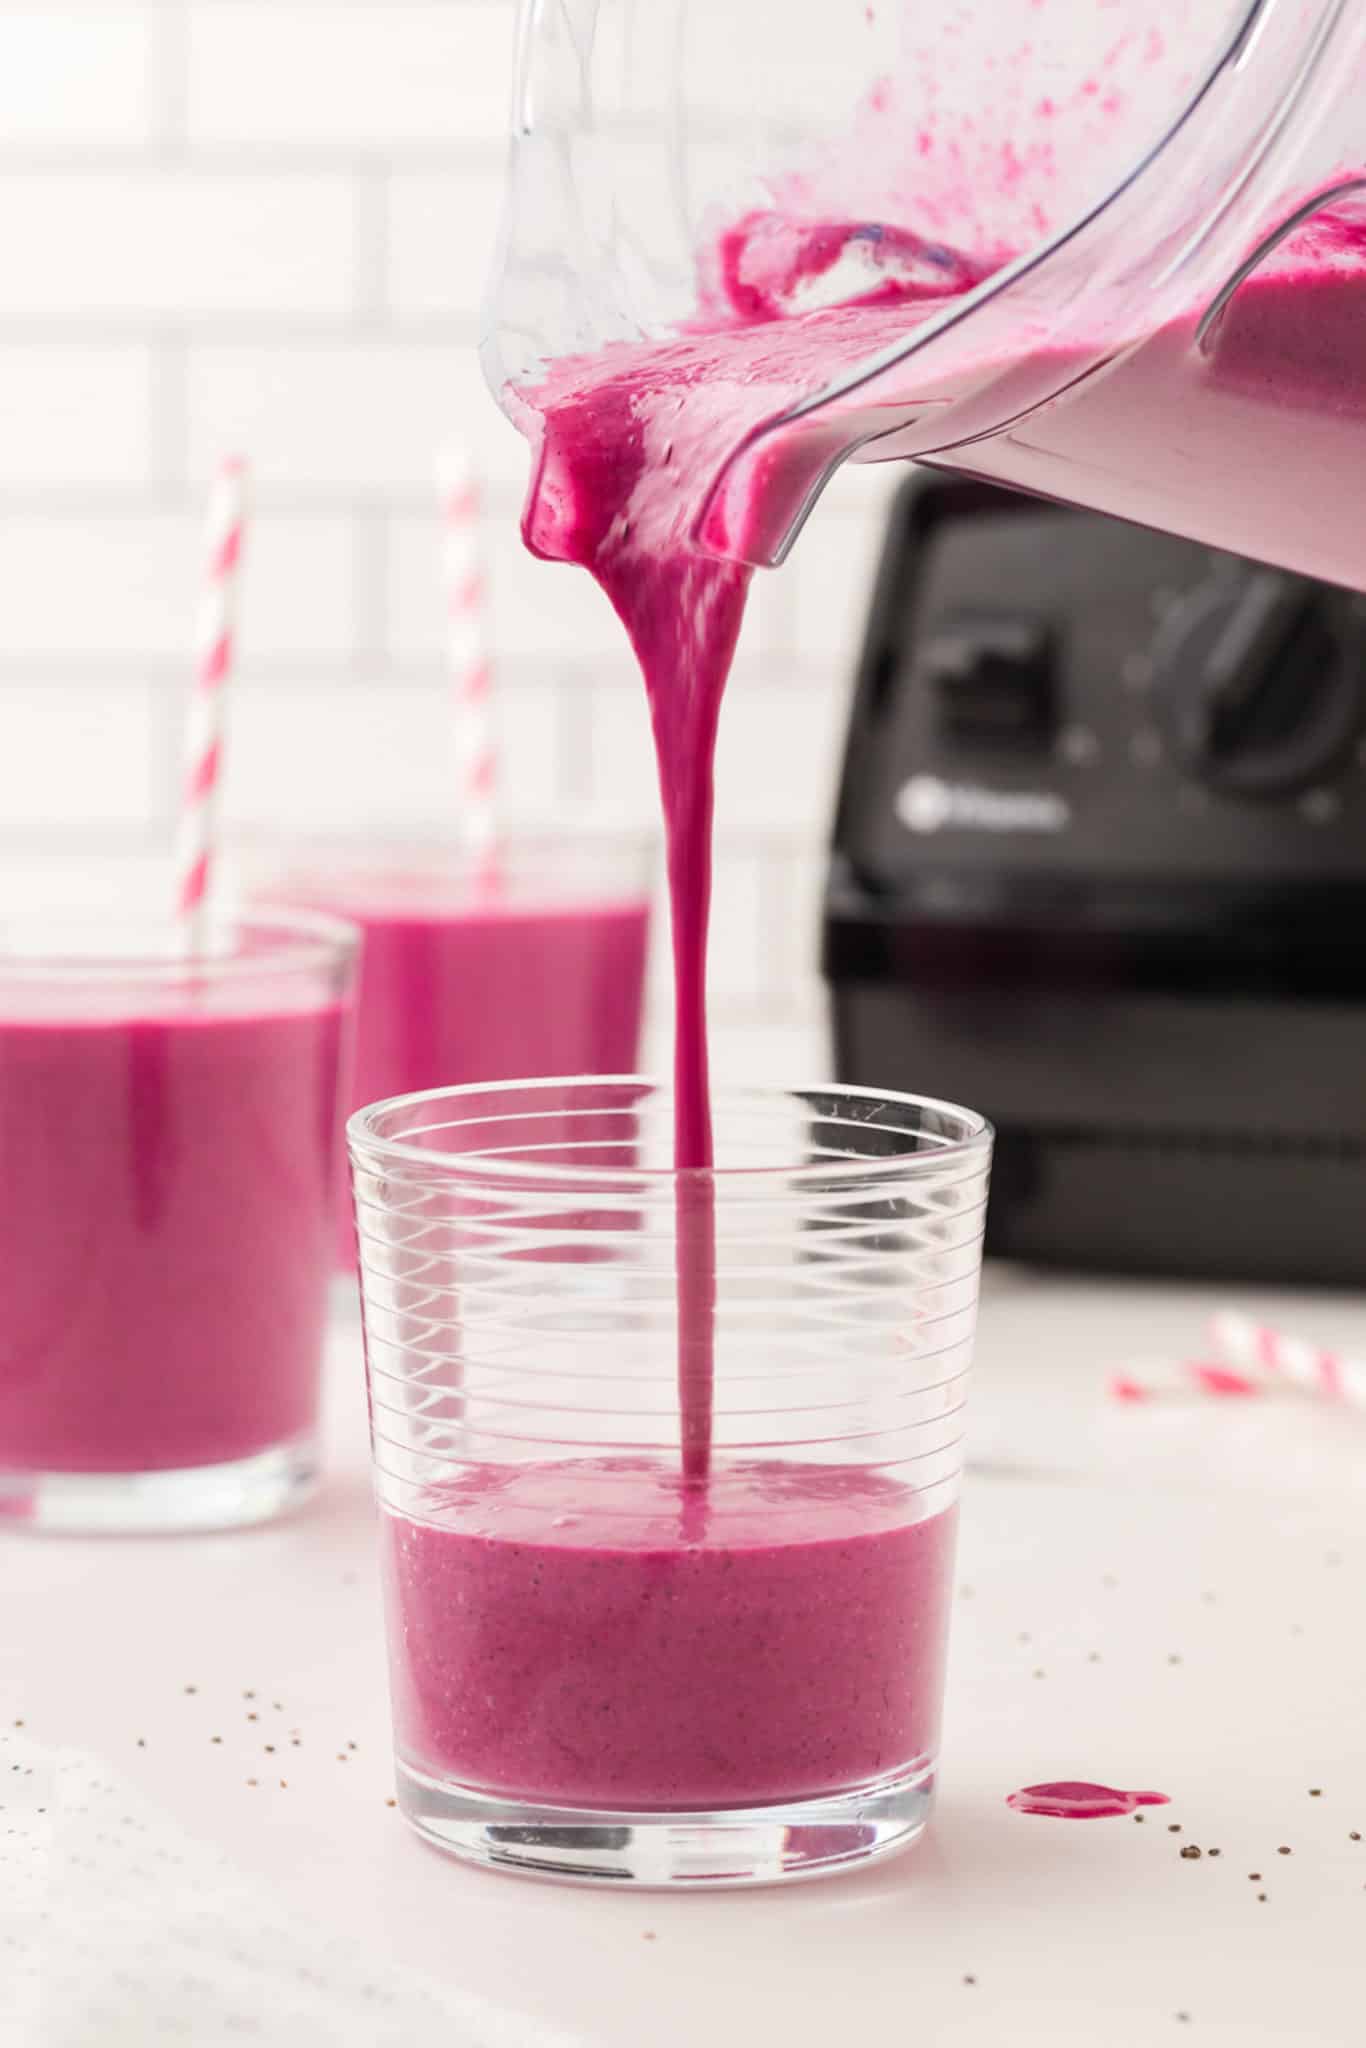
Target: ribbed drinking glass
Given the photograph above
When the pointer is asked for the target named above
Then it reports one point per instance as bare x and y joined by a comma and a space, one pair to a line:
603, 1666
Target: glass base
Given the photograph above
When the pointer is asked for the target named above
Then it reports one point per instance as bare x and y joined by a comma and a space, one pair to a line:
197, 1497
672, 1851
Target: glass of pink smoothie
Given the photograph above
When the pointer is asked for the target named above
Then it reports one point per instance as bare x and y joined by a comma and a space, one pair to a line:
169, 1128
624, 1646
533, 966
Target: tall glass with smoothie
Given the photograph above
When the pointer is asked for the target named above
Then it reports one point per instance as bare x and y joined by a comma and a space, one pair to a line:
530, 964
605, 1664
169, 1127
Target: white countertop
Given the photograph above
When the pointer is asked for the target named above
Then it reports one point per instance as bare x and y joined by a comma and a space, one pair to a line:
1165, 1596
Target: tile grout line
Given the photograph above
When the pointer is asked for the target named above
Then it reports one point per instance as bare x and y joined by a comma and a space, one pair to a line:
370, 623
168, 84
168, 464
371, 195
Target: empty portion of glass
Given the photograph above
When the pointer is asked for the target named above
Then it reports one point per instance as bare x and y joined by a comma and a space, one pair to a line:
170, 1127
598, 1670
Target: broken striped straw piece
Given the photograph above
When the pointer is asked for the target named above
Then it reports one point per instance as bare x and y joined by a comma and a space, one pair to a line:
1192, 1377
215, 648
1278, 1358
1250, 1358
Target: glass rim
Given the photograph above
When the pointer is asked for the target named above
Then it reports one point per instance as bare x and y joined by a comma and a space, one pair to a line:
320, 941
362, 1137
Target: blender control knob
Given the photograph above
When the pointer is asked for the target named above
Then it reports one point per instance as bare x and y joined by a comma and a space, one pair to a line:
1258, 686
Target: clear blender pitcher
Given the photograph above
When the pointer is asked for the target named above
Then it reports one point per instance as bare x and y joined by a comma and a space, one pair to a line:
1144, 244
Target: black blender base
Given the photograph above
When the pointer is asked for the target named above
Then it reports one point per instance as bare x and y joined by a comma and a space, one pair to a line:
1198, 1210
1144, 1136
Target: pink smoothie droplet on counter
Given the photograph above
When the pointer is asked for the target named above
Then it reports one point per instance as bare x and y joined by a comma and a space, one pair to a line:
1071, 1799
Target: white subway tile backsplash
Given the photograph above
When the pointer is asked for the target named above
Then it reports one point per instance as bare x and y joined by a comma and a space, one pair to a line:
528, 726
127, 587
412, 592
832, 567
77, 587
777, 755
742, 937
74, 413
121, 869
175, 245
73, 74
442, 226
308, 756
298, 589
351, 75
621, 763
547, 611
362, 416
799, 888
79, 756
767, 632
537, 610
267, 225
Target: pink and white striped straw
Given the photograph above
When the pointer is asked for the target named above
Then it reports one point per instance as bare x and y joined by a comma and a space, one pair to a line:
214, 650
1192, 1376
1257, 1348
467, 648
1253, 1358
